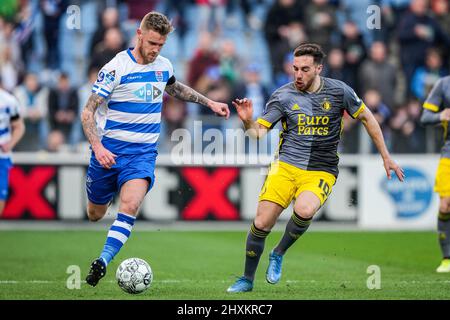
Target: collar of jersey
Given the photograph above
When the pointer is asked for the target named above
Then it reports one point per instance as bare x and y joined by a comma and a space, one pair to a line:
322, 82
131, 55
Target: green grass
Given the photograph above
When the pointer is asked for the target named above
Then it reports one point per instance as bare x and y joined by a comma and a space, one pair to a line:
201, 265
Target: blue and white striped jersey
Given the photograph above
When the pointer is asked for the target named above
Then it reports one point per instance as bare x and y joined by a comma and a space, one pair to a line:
129, 121
9, 109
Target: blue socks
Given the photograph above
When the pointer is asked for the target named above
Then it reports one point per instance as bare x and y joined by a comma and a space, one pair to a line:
117, 236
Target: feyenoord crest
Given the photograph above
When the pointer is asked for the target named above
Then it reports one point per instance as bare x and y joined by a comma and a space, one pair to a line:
159, 76
326, 105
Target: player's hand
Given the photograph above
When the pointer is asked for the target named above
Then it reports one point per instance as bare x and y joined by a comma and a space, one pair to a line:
389, 165
105, 157
244, 108
445, 115
219, 108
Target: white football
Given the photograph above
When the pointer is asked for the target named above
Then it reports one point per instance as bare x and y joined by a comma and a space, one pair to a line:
134, 275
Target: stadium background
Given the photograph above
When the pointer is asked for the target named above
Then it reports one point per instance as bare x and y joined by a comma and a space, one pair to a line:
51, 52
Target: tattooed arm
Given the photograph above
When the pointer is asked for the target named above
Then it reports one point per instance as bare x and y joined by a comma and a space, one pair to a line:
185, 93
103, 156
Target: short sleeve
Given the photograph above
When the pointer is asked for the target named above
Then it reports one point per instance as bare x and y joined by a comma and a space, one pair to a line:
352, 103
107, 79
434, 100
273, 112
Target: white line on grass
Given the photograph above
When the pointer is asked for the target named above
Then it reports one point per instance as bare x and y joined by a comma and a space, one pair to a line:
168, 281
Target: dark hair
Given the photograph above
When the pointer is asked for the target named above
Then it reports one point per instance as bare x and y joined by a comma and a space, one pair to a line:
157, 22
310, 49
64, 75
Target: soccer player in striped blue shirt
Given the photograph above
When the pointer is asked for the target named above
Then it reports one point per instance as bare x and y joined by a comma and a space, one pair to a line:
12, 130
121, 121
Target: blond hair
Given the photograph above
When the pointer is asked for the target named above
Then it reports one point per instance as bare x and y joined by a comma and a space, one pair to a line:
157, 22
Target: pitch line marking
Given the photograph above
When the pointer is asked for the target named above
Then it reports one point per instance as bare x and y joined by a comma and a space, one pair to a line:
175, 281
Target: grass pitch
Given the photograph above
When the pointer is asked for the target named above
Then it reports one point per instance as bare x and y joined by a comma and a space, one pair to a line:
202, 264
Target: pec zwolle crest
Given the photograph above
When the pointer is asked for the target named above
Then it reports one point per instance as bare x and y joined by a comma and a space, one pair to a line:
326, 105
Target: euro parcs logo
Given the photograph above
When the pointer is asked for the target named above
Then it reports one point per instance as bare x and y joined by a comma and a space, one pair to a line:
412, 197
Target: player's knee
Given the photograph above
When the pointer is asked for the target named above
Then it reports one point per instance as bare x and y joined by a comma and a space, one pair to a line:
305, 210
444, 207
262, 224
93, 214
129, 205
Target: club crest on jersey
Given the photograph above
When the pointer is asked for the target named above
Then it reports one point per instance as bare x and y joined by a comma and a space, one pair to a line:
326, 105
159, 76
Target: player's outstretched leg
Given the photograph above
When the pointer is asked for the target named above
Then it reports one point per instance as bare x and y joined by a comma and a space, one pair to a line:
117, 236
444, 241
295, 227
254, 248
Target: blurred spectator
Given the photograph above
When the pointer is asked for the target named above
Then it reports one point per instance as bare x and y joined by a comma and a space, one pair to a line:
417, 31
8, 72
109, 19
205, 56
391, 11
176, 11
382, 114
76, 134
426, 76
379, 74
287, 74
356, 12
320, 22
25, 25
11, 65
251, 20
336, 67
55, 141
354, 52
408, 136
215, 86
33, 100
63, 108
251, 87
441, 12
52, 11
283, 30
107, 49
211, 15
138, 8
229, 61
8, 9
173, 114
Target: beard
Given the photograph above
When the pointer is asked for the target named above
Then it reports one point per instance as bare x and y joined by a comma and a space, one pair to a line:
306, 86
144, 56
